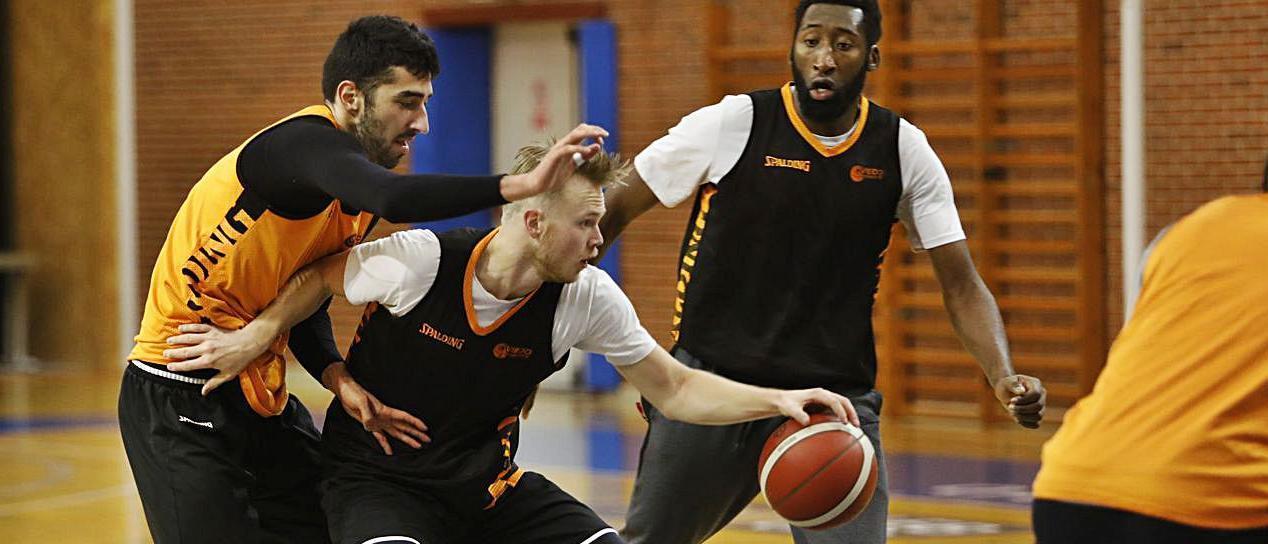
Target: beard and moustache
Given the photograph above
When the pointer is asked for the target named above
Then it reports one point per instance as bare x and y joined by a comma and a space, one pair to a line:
368, 130
826, 111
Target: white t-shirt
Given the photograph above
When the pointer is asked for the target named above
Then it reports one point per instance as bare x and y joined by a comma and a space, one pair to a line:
706, 144
593, 314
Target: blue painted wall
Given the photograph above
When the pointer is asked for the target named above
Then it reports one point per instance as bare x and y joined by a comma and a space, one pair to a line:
459, 142
461, 125
596, 44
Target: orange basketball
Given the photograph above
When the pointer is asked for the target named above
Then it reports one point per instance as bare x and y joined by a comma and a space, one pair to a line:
819, 475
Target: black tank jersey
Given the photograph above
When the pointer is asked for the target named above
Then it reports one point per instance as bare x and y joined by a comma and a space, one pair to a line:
466, 382
781, 260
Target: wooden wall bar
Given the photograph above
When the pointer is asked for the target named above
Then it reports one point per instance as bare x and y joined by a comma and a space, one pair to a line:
62, 121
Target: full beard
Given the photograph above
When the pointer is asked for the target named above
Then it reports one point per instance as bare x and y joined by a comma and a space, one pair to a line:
368, 131
827, 111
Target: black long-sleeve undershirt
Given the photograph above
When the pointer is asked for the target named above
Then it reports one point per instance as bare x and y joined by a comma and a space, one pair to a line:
312, 342
300, 166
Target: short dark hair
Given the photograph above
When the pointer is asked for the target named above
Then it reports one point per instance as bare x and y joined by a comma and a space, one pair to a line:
871, 15
368, 49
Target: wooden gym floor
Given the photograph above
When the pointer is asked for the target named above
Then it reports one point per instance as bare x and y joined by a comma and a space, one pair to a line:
64, 478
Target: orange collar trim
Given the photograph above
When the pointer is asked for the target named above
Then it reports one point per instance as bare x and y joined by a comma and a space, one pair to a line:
321, 110
791, 107
473, 320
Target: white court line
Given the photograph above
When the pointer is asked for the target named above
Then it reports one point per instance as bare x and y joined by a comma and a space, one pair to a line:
45, 446
64, 501
55, 472
65, 461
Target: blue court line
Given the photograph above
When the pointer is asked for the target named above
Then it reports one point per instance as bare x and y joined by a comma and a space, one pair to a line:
603, 450
26, 425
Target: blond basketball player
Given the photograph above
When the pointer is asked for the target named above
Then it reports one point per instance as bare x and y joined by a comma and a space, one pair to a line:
460, 328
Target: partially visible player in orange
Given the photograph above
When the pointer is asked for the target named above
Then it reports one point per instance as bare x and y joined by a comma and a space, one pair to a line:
1171, 446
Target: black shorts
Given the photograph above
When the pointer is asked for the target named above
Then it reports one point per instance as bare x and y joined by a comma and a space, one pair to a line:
1059, 522
209, 469
365, 509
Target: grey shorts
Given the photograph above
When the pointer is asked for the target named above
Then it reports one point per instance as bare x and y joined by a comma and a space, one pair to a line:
694, 479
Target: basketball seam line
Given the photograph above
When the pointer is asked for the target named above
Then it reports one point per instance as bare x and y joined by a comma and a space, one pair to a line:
798, 436
869, 461
817, 472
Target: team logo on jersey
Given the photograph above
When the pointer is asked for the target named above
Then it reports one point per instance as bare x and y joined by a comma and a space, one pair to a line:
218, 245
206, 424
777, 162
859, 173
429, 331
507, 351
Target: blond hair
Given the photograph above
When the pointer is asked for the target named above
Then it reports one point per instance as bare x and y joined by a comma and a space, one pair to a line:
603, 170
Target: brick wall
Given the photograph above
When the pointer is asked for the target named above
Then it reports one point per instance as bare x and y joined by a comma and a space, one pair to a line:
1206, 113
663, 77
62, 137
208, 76
211, 74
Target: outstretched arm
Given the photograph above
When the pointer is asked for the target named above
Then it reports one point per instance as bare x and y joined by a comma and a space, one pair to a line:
333, 163
695, 396
977, 322
231, 351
